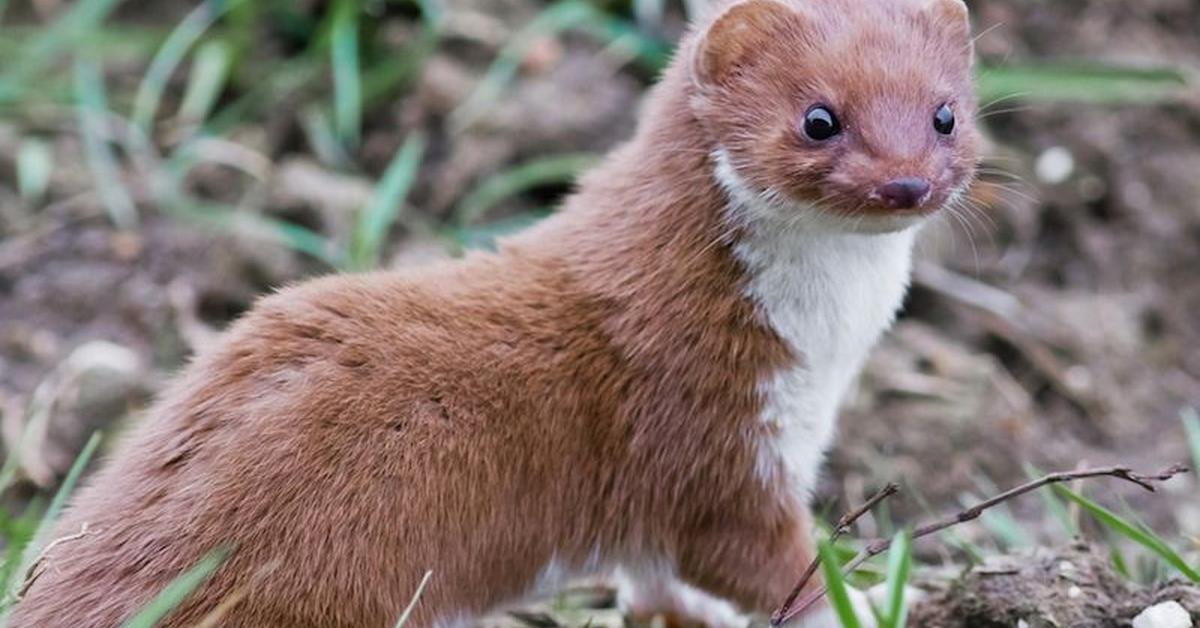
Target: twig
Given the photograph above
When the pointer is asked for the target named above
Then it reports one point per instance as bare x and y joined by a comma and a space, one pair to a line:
879, 546
843, 526
34, 571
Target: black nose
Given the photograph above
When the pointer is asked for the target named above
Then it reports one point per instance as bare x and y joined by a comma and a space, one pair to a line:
903, 193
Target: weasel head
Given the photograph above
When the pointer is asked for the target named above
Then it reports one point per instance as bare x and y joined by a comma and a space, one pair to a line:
854, 114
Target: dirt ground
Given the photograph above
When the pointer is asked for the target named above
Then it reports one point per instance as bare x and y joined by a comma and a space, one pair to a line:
1056, 326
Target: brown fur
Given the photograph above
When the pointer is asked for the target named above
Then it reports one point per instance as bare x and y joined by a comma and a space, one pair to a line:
587, 391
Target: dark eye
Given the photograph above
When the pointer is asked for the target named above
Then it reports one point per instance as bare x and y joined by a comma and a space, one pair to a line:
820, 124
943, 120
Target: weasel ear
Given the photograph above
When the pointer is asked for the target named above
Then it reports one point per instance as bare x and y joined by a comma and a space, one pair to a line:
730, 40
951, 15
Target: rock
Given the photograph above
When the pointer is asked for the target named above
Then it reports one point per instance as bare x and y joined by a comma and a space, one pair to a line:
1164, 615
1066, 587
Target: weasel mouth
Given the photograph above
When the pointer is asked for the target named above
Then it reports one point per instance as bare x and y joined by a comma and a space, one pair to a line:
879, 207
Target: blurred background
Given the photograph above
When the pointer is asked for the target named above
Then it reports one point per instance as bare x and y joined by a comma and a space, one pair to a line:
164, 163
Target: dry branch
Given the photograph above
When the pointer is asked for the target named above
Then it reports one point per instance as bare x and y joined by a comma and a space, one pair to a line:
790, 608
843, 526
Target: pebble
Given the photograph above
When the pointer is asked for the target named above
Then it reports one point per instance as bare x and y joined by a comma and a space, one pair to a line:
1054, 165
1164, 615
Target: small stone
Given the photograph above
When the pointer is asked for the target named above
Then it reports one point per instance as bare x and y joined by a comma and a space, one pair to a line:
1054, 165
1164, 615
126, 246
1078, 378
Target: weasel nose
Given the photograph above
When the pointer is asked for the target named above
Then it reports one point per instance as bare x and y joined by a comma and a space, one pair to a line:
903, 193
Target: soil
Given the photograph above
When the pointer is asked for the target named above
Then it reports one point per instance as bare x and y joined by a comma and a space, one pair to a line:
1055, 326
1074, 586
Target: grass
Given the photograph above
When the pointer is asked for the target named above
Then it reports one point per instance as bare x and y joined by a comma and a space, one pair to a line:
177, 591
206, 80
168, 58
895, 615
1078, 82
28, 535
94, 118
347, 79
557, 18
228, 87
377, 218
59, 37
1134, 531
25, 555
210, 40
1191, 429
35, 164
839, 595
542, 171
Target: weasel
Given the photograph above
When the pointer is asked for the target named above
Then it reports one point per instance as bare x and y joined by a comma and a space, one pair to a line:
648, 378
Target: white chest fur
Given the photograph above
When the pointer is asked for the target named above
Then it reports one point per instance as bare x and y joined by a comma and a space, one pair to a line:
828, 293
829, 297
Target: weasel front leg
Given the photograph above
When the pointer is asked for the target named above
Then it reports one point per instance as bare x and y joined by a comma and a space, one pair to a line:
755, 567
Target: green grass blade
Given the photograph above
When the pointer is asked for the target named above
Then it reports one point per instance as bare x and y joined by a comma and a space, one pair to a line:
556, 18
484, 236
1052, 82
839, 598
85, 16
168, 58
973, 553
347, 82
124, 43
206, 81
999, 522
68, 484
177, 591
17, 532
377, 218
899, 565
1133, 532
230, 219
649, 13
381, 81
50, 517
1053, 504
630, 43
1191, 427
433, 12
92, 113
35, 164
412, 604
1117, 557
288, 77
322, 137
542, 171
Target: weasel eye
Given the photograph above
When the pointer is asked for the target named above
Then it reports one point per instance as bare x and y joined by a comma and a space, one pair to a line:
943, 120
820, 124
